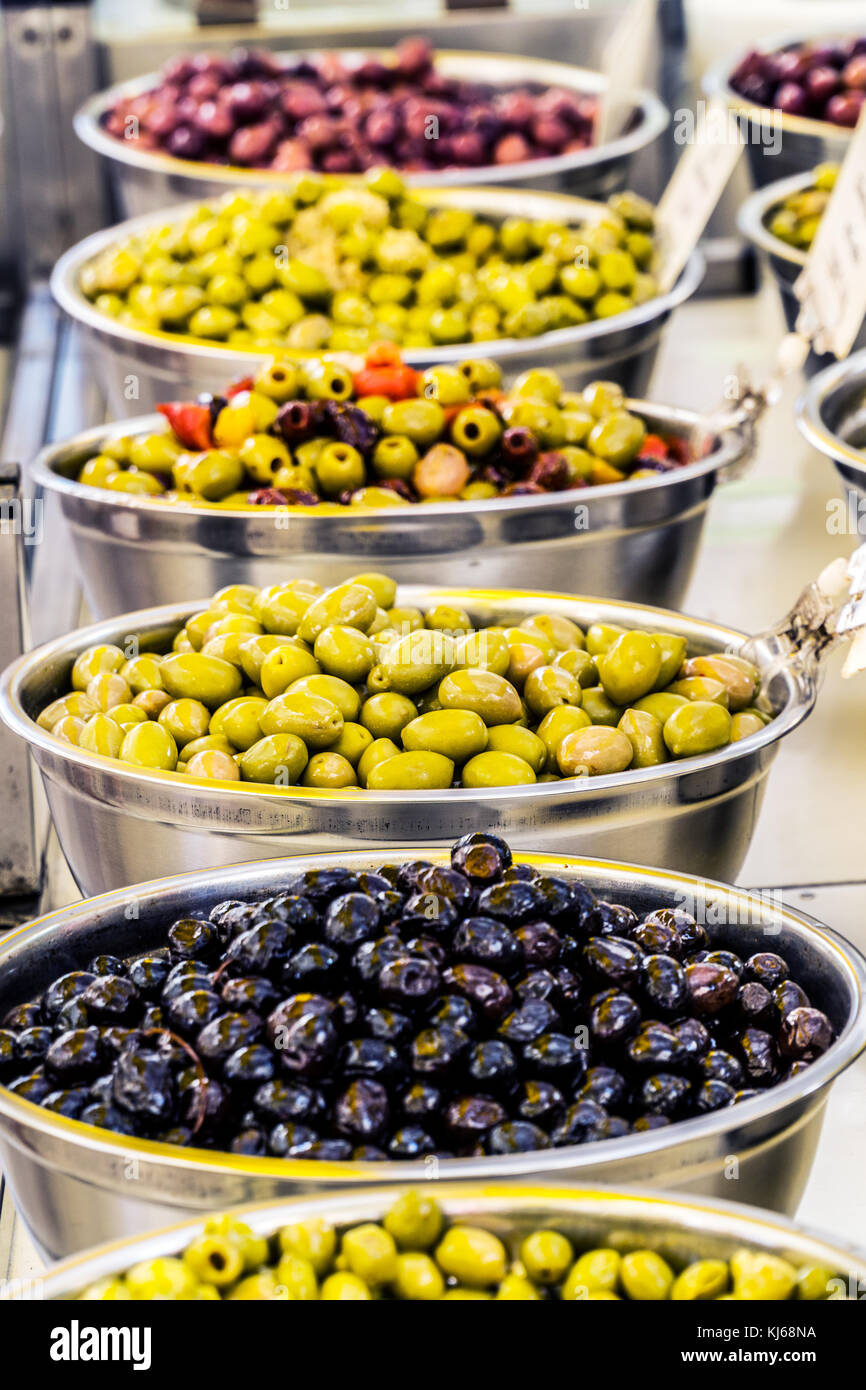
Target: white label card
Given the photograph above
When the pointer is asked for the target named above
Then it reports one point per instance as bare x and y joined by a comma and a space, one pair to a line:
832, 287
714, 143
623, 62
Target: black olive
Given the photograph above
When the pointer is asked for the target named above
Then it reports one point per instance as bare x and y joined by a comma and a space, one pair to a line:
514, 902
606, 1086
644, 1123
362, 1111
351, 919
262, 949
390, 903
718, 1065
482, 858
529, 1021
319, 886
290, 1140
74, 1014
788, 996
143, 1084
409, 982
249, 1065
657, 937
766, 968
484, 941
664, 1094
656, 1045
540, 943
755, 1008
713, 1095
373, 1057
614, 1016
149, 973
422, 1101
614, 919
664, 983
64, 989
693, 1037
468, 1118
106, 965
106, 1117
280, 1101
584, 1122
309, 1045
30, 1045
249, 992
387, 1024
728, 959
192, 938
426, 912
33, 1087
250, 1141
711, 987
189, 1012
112, 999
75, 1055
486, 989
614, 960
224, 1035
369, 1153
806, 1033
760, 1055
316, 966
436, 1051
412, 1141
492, 1066
554, 1056
449, 884
456, 1011
67, 1102
541, 1103
188, 975
26, 1015
515, 1137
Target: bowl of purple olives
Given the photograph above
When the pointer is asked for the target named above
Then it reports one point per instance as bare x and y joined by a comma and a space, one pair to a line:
207, 123
798, 99
260, 1031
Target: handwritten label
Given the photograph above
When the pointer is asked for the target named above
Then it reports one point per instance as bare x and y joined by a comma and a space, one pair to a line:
696, 185
624, 62
832, 287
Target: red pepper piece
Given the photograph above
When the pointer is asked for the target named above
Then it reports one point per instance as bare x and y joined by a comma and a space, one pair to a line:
190, 422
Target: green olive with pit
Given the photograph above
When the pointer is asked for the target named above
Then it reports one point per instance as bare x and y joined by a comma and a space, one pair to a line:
549, 686
673, 651
94, 661
660, 703
254, 651
376, 752
185, 720
278, 759
239, 721
523, 659
560, 632
281, 607
420, 420
486, 650
595, 1271
348, 605
646, 1276
741, 684
332, 688
107, 690
142, 673
329, 769
645, 733
353, 742
149, 745
492, 697
601, 636
630, 667
520, 743
700, 1281
382, 586
744, 723
152, 702
564, 719
284, 665
312, 718
412, 771
600, 708
594, 752
197, 677
458, 734
546, 1256
472, 1255
101, 734
700, 726
496, 769
386, 715
701, 688
578, 662
415, 662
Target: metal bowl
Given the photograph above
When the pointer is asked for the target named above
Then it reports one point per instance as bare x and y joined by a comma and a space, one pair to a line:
137, 369
802, 141
831, 414
679, 1230
786, 262
626, 539
72, 1183
697, 813
145, 181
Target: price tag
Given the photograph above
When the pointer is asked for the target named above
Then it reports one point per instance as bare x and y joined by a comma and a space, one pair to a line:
714, 144
832, 287
623, 62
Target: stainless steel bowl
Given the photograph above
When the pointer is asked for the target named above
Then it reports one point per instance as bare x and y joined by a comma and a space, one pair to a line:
831, 414
786, 262
75, 1185
145, 181
137, 370
679, 1230
777, 145
625, 539
697, 814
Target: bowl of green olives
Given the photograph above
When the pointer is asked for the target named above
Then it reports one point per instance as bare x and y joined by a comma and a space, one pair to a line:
831, 415
520, 1244
240, 766
230, 146
202, 293
780, 220
136, 1079
522, 484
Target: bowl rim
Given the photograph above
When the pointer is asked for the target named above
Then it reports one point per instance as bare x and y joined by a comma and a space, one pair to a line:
801, 696
716, 81
65, 288
753, 210
730, 445
843, 1051
654, 118
628, 1204
809, 415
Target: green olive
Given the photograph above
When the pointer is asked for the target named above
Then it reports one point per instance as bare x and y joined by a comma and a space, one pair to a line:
349, 605
516, 1288
520, 743
313, 718
281, 607
474, 1256
741, 684
383, 587
446, 617
418, 771
744, 723
107, 690
564, 719
254, 650
660, 703
353, 742
630, 667
284, 665
313, 1240
487, 650
645, 1276
673, 651
601, 636
124, 716
142, 673
546, 1256
238, 721
339, 692
549, 686
420, 420
561, 633
93, 662
213, 764
697, 727
759, 1275
488, 695
600, 709
491, 769
100, 735
414, 1220
815, 1282
644, 732
704, 1279
418, 1277
185, 720
376, 752
344, 1287
277, 759
415, 662
385, 715
457, 733
149, 745
595, 1271
594, 752
405, 620
523, 659
197, 677
579, 663
329, 769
